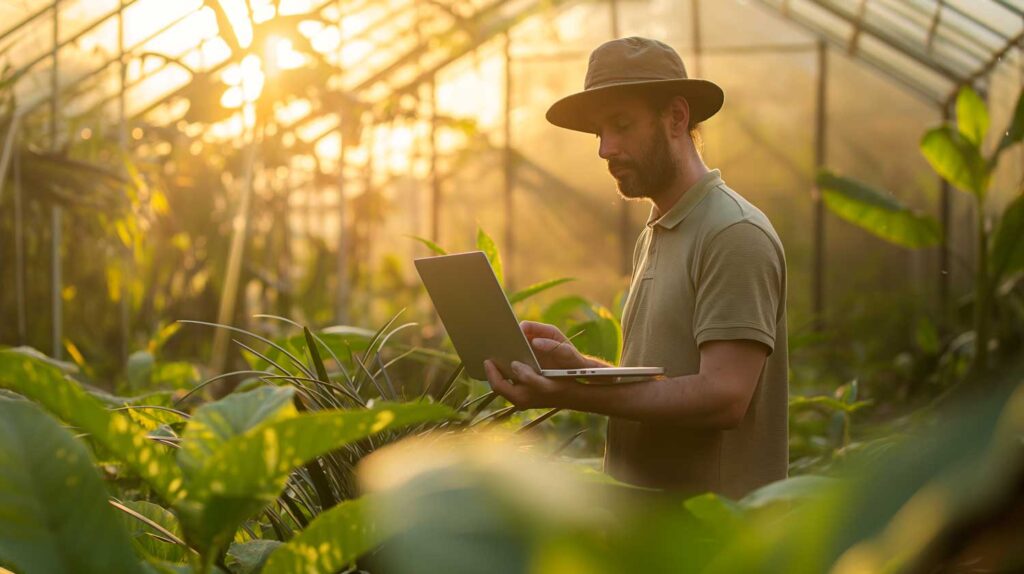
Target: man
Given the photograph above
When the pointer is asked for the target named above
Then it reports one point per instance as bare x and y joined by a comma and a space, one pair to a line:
707, 299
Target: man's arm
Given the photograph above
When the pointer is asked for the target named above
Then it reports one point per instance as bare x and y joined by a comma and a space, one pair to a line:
716, 397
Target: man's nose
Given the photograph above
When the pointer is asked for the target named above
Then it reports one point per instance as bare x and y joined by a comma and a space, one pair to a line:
608, 147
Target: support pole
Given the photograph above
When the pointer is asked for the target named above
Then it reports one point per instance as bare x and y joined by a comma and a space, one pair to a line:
236, 253
945, 249
341, 261
122, 138
435, 180
19, 251
509, 164
341, 303
820, 132
697, 43
56, 213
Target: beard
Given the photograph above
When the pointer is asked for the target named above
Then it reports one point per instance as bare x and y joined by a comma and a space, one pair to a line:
652, 173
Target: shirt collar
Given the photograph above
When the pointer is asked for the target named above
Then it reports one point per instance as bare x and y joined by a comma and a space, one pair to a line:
685, 204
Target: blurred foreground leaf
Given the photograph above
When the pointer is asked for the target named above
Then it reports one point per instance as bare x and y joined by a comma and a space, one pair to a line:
54, 516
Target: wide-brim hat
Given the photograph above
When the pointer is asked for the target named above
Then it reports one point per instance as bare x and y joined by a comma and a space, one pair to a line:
634, 64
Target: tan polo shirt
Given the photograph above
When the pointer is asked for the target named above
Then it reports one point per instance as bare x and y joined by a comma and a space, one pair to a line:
712, 268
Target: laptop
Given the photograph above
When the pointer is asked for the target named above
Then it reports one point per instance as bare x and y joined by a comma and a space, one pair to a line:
480, 321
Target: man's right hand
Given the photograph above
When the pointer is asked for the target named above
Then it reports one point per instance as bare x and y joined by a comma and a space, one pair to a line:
552, 347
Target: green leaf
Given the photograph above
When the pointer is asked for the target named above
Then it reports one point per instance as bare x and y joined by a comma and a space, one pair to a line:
214, 424
593, 328
430, 244
788, 490
828, 403
956, 159
1014, 132
314, 355
329, 544
249, 470
486, 244
54, 515
174, 375
257, 462
139, 369
972, 116
536, 288
250, 557
717, 513
877, 212
1008, 242
124, 439
144, 536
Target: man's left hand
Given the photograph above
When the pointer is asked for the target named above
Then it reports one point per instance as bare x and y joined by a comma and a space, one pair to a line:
528, 389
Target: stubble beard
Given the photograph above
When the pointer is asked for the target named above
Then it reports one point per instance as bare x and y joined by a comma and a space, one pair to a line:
652, 173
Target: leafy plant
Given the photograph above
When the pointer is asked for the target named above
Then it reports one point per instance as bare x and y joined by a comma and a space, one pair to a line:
957, 154
946, 498
232, 459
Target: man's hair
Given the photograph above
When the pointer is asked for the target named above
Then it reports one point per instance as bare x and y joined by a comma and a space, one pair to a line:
660, 101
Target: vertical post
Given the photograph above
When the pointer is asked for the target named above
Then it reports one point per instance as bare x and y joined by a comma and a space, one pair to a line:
122, 138
56, 214
946, 220
820, 132
697, 43
19, 249
625, 225
510, 167
435, 180
341, 302
236, 252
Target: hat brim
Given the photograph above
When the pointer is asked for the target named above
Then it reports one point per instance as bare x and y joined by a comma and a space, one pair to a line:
577, 111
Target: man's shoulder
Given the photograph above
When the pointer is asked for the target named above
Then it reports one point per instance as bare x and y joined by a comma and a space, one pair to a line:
724, 208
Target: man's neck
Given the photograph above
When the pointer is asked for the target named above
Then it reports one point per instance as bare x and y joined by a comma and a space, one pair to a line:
690, 172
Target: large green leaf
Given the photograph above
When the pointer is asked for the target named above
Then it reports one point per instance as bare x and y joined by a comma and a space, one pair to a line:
249, 471
214, 424
116, 432
877, 212
972, 116
330, 543
1008, 242
899, 505
54, 515
956, 159
486, 244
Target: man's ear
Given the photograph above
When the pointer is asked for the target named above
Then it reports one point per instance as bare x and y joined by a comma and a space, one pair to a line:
679, 116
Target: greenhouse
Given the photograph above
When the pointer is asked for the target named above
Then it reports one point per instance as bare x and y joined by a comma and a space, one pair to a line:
218, 352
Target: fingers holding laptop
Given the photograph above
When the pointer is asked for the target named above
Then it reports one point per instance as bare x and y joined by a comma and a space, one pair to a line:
552, 348
527, 389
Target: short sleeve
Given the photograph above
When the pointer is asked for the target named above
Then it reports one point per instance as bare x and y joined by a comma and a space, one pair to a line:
739, 284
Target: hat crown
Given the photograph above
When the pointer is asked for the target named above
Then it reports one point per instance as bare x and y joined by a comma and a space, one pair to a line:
633, 59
